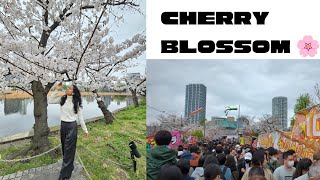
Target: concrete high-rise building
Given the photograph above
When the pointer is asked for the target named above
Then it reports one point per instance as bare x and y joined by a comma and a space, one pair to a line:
280, 111
196, 95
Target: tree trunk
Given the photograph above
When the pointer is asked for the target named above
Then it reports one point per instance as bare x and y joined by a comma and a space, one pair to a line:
134, 98
106, 113
40, 141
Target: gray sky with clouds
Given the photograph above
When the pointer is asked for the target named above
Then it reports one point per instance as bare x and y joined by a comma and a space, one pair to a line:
250, 83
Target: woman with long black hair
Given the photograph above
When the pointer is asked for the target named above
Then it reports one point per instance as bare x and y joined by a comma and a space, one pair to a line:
70, 113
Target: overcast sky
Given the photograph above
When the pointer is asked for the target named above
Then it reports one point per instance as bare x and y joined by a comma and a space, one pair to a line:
133, 23
250, 83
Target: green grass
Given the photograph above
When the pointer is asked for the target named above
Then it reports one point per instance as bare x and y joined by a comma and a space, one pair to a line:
12, 167
108, 143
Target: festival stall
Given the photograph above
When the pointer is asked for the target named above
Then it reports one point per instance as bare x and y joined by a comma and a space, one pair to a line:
304, 137
178, 138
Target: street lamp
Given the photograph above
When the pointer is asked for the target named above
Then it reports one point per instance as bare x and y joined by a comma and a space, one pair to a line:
228, 108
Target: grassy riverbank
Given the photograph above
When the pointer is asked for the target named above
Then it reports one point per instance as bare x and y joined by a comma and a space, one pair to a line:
105, 154
23, 95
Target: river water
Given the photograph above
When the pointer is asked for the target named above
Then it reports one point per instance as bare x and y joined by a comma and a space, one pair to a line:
16, 115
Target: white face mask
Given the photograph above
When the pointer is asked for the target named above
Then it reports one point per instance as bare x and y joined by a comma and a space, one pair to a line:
274, 158
290, 164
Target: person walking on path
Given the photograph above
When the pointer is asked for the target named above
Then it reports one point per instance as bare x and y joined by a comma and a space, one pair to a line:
70, 113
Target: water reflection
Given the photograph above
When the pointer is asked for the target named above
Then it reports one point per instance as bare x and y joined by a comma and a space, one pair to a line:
17, 115
12, 106
106, 100
89, 99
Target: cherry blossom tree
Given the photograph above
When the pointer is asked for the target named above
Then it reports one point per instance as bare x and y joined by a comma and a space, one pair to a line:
171, 122
267, 124
152, 128
109, 118
213, 132
137, 86
262, 124
44, 41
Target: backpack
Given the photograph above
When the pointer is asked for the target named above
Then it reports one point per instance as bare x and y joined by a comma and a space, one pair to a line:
223, 172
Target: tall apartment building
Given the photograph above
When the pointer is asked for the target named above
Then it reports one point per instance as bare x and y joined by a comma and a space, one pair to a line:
280, 111
196, 95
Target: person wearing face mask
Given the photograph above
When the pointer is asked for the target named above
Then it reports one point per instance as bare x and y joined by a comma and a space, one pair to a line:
273, 162
234, 154
285, 171
238, 147
259, 160
296, 159
244, 164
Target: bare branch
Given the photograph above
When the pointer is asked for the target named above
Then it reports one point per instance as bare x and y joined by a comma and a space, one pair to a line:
317, 93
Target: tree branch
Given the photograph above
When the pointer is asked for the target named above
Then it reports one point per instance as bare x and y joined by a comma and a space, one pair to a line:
92, 78
49, 50
69, 79
94, 30
37, 64
11, 22
317, 92
92, 69
57, 23
40, 3
48, 87
7, 61
46, 14
22, 89
64, 12
143, 80
116, 3
7, 28
110, 70
32, 35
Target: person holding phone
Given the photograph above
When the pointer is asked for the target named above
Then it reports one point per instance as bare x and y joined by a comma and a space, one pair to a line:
70, 113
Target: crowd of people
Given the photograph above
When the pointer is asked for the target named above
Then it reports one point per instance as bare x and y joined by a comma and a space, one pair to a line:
227, 160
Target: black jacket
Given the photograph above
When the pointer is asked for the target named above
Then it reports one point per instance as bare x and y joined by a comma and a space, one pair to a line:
241, 164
